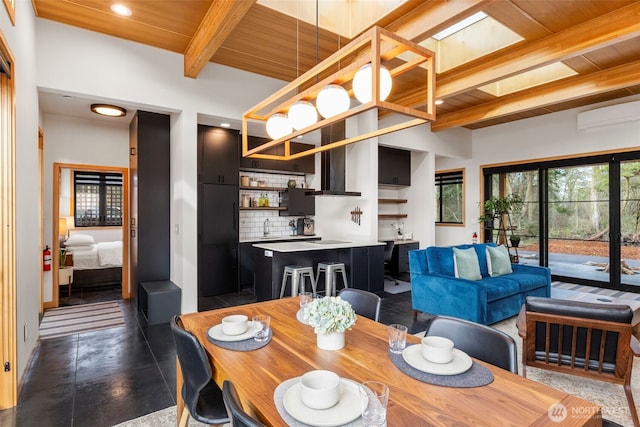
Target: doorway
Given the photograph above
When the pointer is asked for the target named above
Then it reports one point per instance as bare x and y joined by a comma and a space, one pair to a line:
64, 213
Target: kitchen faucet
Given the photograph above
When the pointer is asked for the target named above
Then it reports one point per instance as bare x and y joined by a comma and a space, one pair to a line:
266, 227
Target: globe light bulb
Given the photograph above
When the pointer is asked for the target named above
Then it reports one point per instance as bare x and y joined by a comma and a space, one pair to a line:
332, 100
278, 125
362, 83
302, 114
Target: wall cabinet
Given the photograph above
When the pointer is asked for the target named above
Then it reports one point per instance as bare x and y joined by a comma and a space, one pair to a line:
394, 166
218, 150
304, 164
150, 202
298, 202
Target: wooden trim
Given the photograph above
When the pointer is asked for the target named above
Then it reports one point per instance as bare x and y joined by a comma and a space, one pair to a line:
8, 279
10, 5
57, 167
41, 208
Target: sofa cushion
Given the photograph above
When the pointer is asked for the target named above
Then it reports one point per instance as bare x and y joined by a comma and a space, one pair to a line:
440, 260
500, 287
498, 261
529, 282
466, 264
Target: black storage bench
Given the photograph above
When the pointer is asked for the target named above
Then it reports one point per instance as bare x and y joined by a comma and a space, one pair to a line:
159, 301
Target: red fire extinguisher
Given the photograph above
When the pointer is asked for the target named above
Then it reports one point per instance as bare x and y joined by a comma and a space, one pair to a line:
46, 257
474, 238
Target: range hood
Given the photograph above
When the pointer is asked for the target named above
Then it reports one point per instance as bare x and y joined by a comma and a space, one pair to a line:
332, 164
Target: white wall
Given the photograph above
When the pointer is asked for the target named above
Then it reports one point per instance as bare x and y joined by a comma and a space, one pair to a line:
21, 40
551, 135
77, 141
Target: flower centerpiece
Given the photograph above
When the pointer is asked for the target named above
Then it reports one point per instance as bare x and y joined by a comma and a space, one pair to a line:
330, 318
399, 227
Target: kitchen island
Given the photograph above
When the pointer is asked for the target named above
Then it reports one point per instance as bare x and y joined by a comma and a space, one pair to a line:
364, 262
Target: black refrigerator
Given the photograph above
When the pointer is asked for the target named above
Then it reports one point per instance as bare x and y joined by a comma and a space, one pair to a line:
218, 162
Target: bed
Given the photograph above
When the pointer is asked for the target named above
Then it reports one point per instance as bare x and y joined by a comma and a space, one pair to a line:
94, 263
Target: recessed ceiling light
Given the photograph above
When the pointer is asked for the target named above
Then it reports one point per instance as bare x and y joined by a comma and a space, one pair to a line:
460, 25
121, 9
225, 125
439, 102
108, 110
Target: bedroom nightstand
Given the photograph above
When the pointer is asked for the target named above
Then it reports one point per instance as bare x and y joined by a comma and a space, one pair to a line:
65, 278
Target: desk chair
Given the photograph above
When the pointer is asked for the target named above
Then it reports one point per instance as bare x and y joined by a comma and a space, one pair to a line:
591, 340
237, 415
480, 341
202, 396
388, 255
364, 303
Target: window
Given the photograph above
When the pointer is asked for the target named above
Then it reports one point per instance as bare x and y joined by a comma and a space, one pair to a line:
98, 199
450, 197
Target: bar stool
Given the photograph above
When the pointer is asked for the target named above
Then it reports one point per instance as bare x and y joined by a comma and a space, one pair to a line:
297, 274
330, 270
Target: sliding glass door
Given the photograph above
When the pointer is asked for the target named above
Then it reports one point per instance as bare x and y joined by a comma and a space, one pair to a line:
581, 217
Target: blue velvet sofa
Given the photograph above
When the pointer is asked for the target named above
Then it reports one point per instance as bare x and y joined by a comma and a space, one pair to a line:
435, 289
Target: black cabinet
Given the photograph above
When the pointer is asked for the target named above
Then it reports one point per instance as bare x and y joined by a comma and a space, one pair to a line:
298, 202
218, 149
367, 269
247, 266
400, 257
149, 199
217, 212
394, 166
304, 164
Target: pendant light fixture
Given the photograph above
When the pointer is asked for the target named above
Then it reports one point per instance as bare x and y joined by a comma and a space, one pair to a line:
302, 114
362, 83
278, 126
332, 100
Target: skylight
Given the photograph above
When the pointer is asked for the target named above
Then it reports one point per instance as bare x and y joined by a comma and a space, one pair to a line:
460, 25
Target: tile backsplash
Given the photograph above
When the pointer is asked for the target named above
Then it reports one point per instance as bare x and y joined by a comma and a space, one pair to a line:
252, 221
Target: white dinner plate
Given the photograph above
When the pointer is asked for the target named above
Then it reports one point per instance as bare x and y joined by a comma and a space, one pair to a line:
460, 363
346, 410
216, 333
300, 317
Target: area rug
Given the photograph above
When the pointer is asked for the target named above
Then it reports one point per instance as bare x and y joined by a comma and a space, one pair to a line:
63, 321
391, 288
162, 418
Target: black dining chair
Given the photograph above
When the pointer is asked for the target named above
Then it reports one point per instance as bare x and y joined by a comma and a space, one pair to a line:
480, 341
237, 415
202, 396
388, 257
364, 303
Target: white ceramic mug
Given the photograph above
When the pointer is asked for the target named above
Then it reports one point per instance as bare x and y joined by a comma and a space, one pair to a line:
235, 324
320, 389
437, 349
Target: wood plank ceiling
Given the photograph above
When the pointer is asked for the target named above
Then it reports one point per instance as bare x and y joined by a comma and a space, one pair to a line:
598, 42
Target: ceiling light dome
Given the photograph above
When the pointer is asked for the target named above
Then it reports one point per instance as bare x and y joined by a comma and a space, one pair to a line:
108, 110
362, 83
278, 126
302, 114
332, 100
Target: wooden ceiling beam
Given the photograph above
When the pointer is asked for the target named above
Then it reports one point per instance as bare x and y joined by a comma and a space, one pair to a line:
221, 18
597, 33
567, 89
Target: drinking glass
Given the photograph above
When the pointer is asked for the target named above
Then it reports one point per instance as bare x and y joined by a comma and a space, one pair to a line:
397, 338
374, 397
262, 329
305, 298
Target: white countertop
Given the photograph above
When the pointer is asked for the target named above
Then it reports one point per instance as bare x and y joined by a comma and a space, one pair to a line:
271, 238
302, 246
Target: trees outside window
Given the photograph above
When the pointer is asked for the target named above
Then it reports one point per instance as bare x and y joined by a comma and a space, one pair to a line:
450, 197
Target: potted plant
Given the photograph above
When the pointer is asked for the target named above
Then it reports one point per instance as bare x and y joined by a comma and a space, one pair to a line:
496, 206
330, 318
515, 240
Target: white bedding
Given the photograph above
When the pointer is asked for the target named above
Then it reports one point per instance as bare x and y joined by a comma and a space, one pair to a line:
98, 255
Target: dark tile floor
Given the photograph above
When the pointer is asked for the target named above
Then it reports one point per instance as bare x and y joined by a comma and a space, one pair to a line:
106, 377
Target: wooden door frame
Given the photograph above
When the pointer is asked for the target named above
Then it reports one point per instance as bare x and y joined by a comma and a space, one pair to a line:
57, 167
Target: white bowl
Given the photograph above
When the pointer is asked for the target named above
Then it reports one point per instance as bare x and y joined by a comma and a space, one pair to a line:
437, 349
320, 389
235, 324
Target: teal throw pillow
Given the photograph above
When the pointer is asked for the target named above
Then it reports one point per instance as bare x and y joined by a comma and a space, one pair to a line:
498, 261
466, 264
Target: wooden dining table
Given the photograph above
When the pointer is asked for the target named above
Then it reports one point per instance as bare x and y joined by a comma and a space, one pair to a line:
509, 400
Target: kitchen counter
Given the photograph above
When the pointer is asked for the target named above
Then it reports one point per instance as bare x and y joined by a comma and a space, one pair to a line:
279, 238
318, 245
364, 263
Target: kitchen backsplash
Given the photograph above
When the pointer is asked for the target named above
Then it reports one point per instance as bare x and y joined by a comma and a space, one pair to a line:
252, 221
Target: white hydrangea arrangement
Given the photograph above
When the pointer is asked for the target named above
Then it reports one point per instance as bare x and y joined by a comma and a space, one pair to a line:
329, 314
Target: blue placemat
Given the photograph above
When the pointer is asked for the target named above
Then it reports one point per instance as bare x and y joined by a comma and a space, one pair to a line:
476, 376
244, 345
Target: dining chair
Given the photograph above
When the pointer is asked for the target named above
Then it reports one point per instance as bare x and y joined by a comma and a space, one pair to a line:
590, 340
237, 416
388, 257
364, 303
202, 397
480, 341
